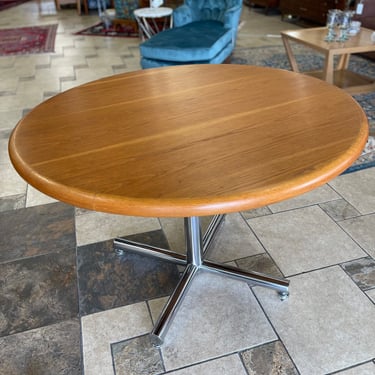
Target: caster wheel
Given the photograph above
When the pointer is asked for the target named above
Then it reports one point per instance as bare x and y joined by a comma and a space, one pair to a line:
283, 295
119, 252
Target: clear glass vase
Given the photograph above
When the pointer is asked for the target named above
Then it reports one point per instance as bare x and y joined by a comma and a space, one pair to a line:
344, 27
333, 20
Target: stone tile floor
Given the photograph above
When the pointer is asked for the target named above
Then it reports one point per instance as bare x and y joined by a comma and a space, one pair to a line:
70, 305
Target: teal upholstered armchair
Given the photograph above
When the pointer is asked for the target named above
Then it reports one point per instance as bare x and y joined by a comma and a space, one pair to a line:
205, 32
125, 9
125, 14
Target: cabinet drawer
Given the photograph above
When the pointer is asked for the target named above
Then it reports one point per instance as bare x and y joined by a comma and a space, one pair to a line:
265, 3
334, 4
311, 5
314, 10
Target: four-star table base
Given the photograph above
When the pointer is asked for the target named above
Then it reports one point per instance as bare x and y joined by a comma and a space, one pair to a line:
196, 247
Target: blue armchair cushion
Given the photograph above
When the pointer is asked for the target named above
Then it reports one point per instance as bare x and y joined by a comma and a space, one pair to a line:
218, 59
196, 41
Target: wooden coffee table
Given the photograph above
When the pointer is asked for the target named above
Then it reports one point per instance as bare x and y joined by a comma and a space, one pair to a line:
189, 141
340, 75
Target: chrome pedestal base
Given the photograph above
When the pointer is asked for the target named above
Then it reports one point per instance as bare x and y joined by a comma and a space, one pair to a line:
196, 246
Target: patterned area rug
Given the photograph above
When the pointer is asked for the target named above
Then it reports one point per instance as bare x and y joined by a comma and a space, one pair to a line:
5, 4
122, 31
307, 59
27, 40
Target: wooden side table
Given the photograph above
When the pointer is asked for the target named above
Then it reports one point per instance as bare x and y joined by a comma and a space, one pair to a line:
340, 75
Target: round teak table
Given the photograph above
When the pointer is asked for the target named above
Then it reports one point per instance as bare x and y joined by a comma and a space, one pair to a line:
189, 141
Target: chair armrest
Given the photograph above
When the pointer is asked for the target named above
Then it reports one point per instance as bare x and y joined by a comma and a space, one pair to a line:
231, 19
182, 15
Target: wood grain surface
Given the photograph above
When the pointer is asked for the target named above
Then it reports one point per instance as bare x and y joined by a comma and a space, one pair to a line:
189, 141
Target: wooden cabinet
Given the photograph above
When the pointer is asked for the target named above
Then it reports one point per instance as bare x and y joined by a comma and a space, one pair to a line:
267, 4
313, 10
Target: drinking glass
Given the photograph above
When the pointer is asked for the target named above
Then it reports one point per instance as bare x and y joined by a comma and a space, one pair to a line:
333, 19
344, 27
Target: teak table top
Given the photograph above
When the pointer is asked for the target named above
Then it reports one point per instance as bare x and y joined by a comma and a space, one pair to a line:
189, 141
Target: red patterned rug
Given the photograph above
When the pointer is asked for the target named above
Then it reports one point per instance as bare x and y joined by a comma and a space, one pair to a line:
5, 4
27, 40
100, 29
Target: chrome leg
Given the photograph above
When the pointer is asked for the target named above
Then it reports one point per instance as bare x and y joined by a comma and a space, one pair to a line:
121, 244
162, 325
193, 240
281, 285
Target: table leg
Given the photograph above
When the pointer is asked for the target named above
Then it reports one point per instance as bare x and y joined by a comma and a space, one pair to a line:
290, 55
194, 247
343, 62
154, 30
164, 23
328, 71
144, 27
170, 309
121, 244
281, 285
